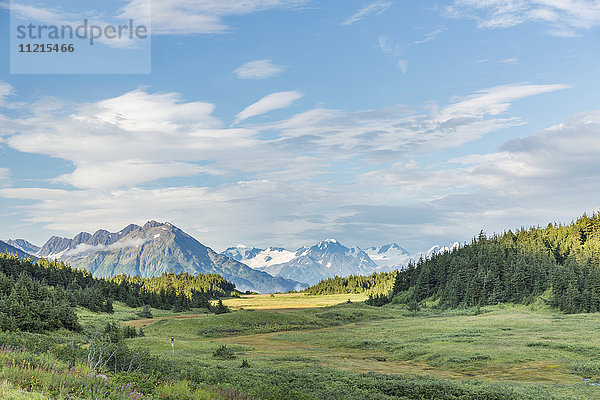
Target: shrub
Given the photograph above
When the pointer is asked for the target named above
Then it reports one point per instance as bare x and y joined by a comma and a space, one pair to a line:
146, 312
224, 353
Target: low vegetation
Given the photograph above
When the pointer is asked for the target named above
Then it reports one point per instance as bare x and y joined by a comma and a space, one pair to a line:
499, 319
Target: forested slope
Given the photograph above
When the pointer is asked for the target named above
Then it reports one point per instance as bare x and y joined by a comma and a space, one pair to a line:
39, 296
509, 267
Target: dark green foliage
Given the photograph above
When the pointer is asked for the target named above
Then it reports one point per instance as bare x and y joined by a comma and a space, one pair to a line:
512, 267
146, 312
378, 283
224, 353
515, 267
170, 291
129, 332
220, 308
245, 364
28, 305
113, 332
413, 305
378, 300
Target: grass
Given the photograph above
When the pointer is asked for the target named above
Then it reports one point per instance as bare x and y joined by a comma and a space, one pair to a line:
10, 392
506, 344
123, 313
289, 301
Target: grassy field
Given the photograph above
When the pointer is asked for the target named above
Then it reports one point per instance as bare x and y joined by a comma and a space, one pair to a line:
289, 301
539, 349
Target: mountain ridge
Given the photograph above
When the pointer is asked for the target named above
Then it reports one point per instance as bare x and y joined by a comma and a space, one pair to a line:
153, 250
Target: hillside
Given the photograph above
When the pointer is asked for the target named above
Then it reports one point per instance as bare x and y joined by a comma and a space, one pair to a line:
153, 250
560, 262
7, 248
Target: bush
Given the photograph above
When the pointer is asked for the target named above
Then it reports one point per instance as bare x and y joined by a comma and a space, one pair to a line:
224, 353
378, 300
220, 308
146, 312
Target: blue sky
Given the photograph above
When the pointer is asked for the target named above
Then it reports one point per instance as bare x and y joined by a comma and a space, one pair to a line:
273, 122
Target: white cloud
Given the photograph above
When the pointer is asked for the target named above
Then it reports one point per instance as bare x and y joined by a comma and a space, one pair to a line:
121, 244
5, 91
271, 102
376, 7
495, 100
429, 37
564, 17
131, 139
403, 66
184, 17
259, 69
4, 176
389, 48
128, 172
322, 172
509, 61
393, 131
526, 181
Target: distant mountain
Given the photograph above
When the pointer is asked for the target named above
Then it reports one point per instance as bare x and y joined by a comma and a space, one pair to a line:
7, 248
23, 245
389, 257
328, 258
152, 250
437, 249
259, 258
309, 264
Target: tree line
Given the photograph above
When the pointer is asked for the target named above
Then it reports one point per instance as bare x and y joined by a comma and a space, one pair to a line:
38, 296
377, 283
561, 263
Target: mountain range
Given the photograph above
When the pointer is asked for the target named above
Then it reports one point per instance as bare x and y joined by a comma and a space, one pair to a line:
5, 247
328, 258
153, 250
158, 248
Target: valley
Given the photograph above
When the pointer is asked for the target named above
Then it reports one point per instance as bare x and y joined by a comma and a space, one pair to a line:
529, 351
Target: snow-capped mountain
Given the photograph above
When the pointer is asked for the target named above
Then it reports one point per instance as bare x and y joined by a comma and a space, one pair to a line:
389, 257
23, 245
328, 258
259, 258
442, 249
309, 264
152, 250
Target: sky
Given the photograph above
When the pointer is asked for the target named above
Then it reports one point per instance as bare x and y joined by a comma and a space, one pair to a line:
285, 122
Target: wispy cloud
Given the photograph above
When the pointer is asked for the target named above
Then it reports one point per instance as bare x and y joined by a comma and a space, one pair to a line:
5, 91
4, 176
376, 8
83, 248
271, 102
393, 132
183, 17
564, 18
259, 69
403, 65
429, 37
390, 48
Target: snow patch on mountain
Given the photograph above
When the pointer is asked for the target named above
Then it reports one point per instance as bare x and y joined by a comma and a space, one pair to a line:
259, 258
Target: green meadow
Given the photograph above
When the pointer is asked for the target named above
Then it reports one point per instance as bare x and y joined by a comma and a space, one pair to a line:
493, 352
